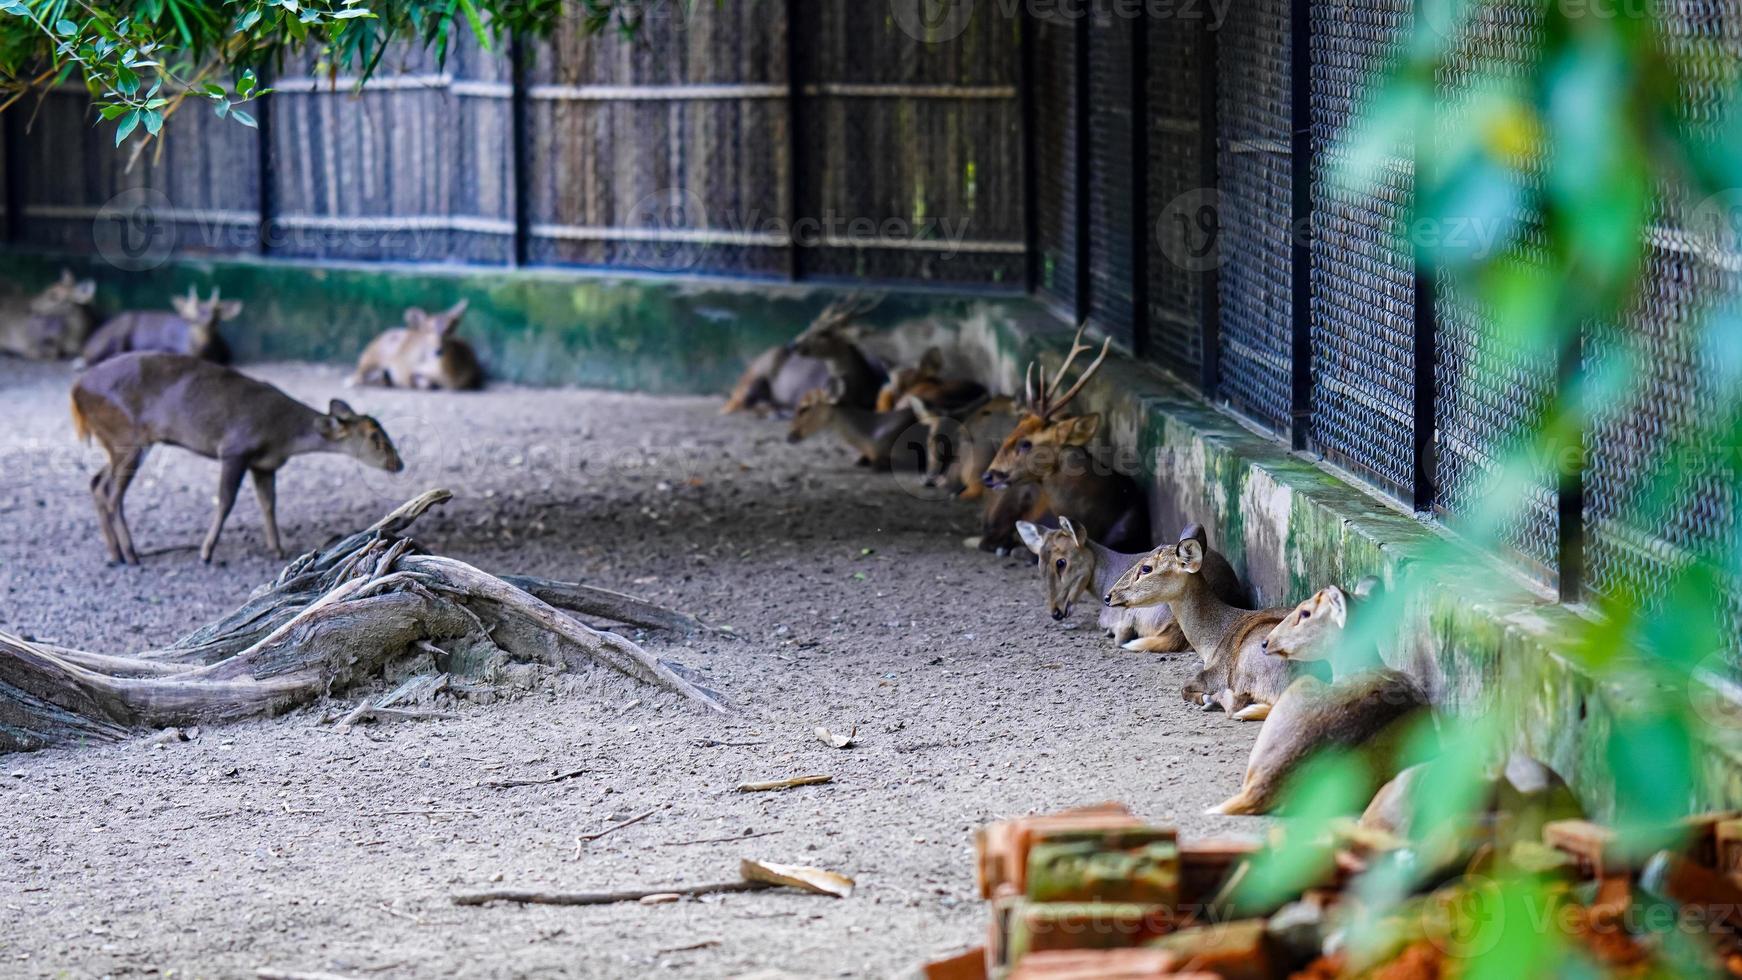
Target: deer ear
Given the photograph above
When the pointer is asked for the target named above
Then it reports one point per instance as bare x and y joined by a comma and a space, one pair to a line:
66, 276
1077, 534
925, 413
456, 311
932, 361
341, 411
186, 307
229, 309
1079, 431
415, 317
1369, 588
84, 291
1337, 604
1191, 555
1033, 535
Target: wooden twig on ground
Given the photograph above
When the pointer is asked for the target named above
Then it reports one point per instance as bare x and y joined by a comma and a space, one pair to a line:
268, 974
555, 778
605, 898
721, 840
616, 826
779, 784
378, 713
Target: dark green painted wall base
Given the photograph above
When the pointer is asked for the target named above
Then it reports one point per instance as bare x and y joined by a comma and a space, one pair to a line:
1290, 526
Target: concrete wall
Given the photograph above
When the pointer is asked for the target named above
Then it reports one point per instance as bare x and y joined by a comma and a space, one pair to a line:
1482, 634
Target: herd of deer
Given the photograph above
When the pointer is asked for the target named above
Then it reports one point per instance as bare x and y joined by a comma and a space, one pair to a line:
1039, 476
161, 378
1037, 473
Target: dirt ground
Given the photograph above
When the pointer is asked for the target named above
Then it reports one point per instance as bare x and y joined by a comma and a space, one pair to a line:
288, 845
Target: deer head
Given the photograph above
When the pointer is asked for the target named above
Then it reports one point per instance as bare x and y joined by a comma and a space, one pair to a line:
1031, 451
827, 335
1067, 563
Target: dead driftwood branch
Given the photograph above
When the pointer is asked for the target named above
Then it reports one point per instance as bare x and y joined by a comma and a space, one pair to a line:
333, 619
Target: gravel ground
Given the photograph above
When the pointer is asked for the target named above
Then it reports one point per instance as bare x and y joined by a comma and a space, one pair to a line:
287, 845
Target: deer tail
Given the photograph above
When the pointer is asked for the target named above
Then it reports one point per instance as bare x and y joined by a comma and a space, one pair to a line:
81, 428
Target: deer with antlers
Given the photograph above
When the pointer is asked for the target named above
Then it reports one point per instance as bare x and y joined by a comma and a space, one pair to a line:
780, 377
1059, 454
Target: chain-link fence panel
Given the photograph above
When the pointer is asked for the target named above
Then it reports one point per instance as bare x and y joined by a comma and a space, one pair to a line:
1363, 272
1255, 115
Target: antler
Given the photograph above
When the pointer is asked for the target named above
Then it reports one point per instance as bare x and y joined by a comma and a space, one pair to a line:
845, 309
1050, 402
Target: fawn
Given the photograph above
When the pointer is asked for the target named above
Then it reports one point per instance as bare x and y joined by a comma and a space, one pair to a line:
827, 339
54, 324
872, 433
1056, 453
135, 401
925, 382
1072, 565
1237, 676
1366, 713
423, 354
192, 330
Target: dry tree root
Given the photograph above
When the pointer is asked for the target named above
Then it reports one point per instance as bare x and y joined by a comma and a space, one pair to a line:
334, 618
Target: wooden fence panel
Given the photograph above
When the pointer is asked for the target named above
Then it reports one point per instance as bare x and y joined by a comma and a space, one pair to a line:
417, 167
911, 145
195, 191
667, 152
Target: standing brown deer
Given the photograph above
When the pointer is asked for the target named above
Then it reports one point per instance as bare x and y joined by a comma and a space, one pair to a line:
192, 330
1058, 453
135, 401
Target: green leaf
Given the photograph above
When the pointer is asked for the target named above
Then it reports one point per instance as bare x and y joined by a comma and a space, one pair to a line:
128, 125
246, 83
214, 91
14, 7
111, 112
244, 118
477, 23
248, 20
352, 14
64, 26
153, 121
221, 107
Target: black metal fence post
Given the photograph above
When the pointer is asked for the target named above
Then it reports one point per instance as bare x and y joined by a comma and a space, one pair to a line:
1300, 224
1570, 482
795, 161
1139, 164
1030, 178
266, 173
1210, 285
12, 145
519, 123
1085, 158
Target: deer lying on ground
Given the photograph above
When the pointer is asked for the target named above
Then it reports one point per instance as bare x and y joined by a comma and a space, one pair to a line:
1525, 793
775, 381
135, 401
958, 448
925, 382
1073, 566
1368, 713
423, 354
828, 340
1238, 676
1058, 454
53, 324
1316, 628
872, 433
192, 330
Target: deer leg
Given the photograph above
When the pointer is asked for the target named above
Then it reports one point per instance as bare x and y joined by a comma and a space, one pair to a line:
228, 483
100, 497
122, 473
266, 490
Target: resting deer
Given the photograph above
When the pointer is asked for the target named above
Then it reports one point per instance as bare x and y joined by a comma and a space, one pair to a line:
135, 401
872, 433
775, 381
1238, 676
925, 382
958, 449
827, 339
1073, 566
54, 323
1054, 451
423, 354
1315, 629
1524, 792
192, 330
1367, 713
